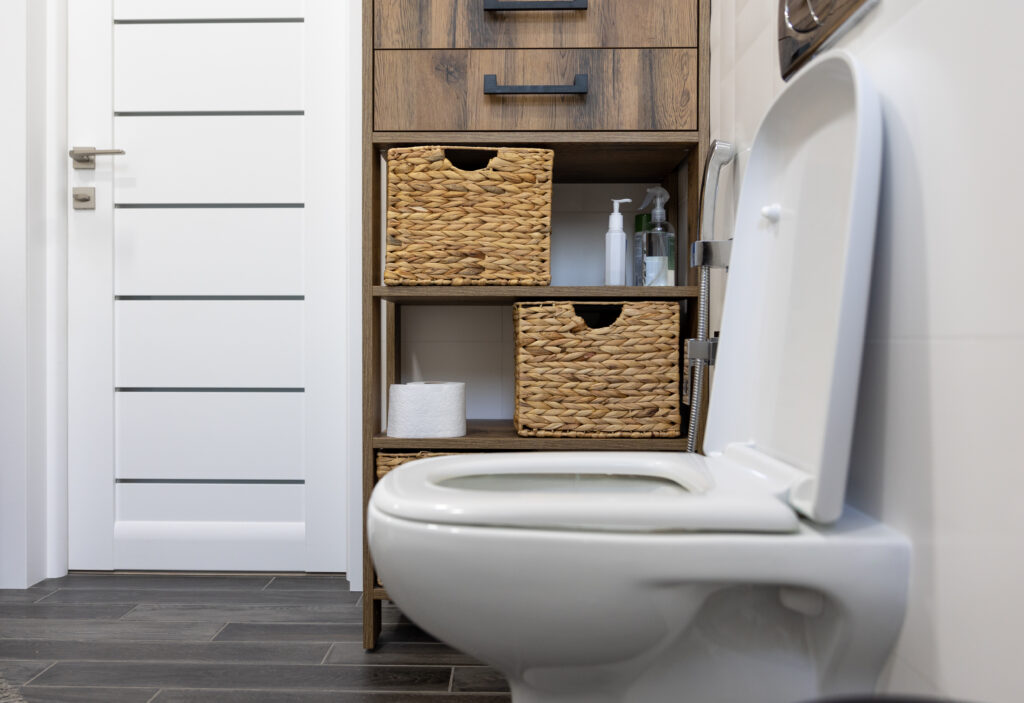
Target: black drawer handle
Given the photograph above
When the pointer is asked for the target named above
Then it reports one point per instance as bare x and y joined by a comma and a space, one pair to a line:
512, 5
579, 87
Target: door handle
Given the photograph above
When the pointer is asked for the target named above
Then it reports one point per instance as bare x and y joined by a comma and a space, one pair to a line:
509, 5
579, 87
85, 156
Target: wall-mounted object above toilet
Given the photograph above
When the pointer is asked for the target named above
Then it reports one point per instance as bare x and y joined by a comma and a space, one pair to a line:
808, 27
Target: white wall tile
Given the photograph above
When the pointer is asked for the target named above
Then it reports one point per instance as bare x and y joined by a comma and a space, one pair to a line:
942, 378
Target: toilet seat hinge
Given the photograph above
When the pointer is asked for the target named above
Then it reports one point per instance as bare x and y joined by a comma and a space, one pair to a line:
702, 350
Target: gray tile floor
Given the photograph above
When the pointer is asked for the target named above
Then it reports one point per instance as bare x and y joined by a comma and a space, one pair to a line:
136, 638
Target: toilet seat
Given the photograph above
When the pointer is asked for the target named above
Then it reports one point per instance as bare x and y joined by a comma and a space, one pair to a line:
593, 491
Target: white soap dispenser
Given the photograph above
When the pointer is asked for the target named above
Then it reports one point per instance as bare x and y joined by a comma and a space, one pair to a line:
615, 247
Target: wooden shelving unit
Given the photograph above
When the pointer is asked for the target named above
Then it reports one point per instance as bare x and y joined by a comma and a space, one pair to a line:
499, 435
672, 158
503, 295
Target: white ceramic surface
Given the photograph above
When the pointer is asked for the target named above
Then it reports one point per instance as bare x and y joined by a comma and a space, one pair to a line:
601, 491
793, 322
600, 617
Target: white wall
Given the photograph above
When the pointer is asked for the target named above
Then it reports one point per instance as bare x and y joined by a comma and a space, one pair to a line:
942, 378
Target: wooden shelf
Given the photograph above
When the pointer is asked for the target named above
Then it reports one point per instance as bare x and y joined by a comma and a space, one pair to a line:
487, 435
580, 157
441, 295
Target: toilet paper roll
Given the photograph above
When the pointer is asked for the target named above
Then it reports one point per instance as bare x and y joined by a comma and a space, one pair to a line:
427, 409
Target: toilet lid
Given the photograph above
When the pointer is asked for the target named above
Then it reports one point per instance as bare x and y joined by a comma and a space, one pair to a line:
593, 491
788, 362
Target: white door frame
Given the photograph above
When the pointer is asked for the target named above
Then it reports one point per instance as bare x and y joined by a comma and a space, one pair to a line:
33, 410
36, 533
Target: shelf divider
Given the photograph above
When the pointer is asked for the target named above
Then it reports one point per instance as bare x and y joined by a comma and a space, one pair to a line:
486, 435
441, 295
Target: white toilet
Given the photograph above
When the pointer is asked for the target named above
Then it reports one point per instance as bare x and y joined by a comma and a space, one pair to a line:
733, 577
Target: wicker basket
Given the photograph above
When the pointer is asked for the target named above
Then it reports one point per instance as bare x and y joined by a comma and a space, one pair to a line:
387, 461
619, 380
449, 227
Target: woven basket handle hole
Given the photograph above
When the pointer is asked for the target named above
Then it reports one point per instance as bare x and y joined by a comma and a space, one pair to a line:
470, 159
597, 316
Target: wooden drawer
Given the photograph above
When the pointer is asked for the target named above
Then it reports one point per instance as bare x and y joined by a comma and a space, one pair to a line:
443, 90
464, 24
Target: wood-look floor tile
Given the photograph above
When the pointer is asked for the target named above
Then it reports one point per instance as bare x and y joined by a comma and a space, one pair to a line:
51, 611
79, 694
205, 596
23, 595
478, 679
254, 652
316, 632
310, 583
18, 672
253, 676
109, 630
432, 653
248, 613
158, 581
221, 696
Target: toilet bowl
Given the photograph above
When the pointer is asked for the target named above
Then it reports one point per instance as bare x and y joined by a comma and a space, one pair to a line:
733, 577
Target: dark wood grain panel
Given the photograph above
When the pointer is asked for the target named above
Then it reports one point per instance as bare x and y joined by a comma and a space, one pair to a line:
111, 581
257, 676
103, 630
463, 24
504, 295
60, 694
239, 652
399, 653
371, 611
251, 696
226, 612
630, 89
580, 157
206, 596
18, 672
488, 435
478, 679
61, 611
318, 632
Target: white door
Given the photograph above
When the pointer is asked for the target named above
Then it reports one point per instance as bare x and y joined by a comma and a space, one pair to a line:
207, 289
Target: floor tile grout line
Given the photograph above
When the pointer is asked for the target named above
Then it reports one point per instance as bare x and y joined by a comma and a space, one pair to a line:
215, 634
52, 664
327, 654
45, 596
124, 615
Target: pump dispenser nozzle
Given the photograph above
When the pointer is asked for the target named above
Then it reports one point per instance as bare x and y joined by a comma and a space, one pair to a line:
615, 219
660, 196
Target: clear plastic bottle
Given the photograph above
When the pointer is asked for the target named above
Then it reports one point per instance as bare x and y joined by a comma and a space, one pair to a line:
615, 247
654, 249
